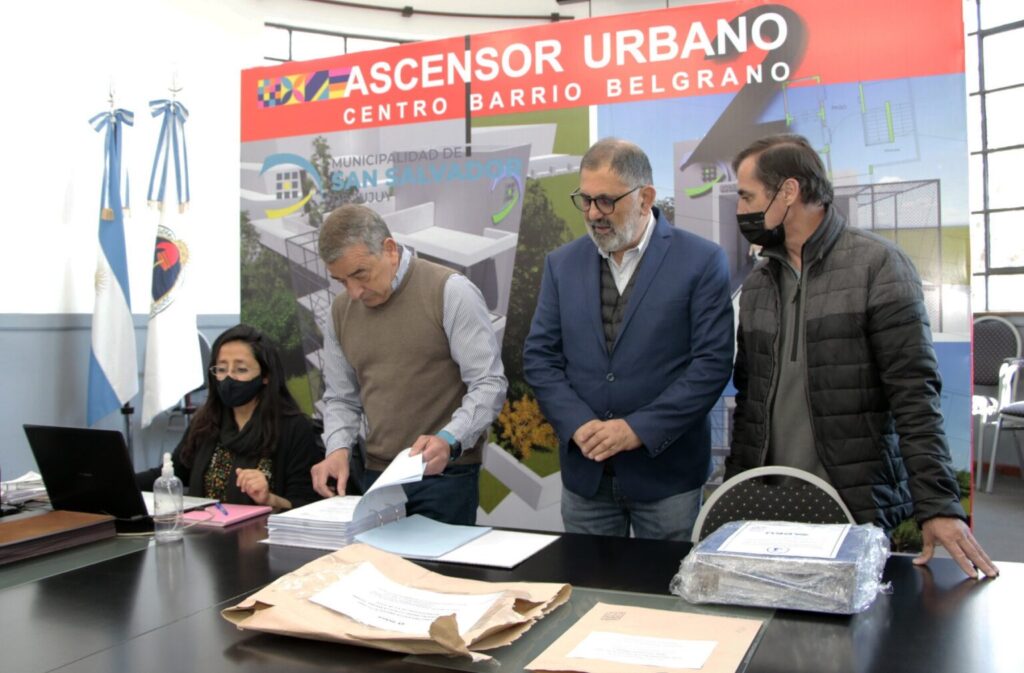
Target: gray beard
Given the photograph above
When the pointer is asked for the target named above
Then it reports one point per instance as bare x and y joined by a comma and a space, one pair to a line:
616, 239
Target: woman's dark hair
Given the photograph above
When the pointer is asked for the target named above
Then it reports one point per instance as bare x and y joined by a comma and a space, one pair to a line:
274, 399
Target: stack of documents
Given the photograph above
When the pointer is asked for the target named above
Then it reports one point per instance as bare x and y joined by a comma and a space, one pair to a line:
28, 486
329, 524
333, 523
835, 568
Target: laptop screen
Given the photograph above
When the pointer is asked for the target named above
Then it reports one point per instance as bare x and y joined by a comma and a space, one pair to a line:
86, 470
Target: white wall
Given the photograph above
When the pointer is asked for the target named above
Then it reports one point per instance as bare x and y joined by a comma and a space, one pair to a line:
65, 56
62, 57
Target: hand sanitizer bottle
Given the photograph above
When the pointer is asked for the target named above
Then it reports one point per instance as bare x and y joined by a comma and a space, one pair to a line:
167, 504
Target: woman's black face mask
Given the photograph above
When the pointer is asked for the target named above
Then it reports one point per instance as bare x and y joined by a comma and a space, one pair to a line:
235, 393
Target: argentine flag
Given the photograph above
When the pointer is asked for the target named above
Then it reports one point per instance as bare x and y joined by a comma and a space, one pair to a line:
113, 367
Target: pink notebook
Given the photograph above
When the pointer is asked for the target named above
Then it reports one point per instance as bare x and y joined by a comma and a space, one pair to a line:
211, 516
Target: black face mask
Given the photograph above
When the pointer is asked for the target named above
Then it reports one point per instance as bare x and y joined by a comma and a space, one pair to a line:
752, 227
235, 393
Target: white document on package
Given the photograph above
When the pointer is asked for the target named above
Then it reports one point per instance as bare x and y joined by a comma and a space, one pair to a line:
370, 598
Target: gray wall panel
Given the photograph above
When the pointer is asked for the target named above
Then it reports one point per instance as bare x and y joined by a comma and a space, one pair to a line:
44, 360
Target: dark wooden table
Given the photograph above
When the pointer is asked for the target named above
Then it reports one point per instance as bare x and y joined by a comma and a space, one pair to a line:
157, 610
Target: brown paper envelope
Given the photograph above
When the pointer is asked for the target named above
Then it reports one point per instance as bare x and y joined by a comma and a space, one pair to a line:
733, 635
284, 608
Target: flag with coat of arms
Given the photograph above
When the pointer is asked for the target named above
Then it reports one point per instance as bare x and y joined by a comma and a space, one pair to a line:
174, 365
113, 367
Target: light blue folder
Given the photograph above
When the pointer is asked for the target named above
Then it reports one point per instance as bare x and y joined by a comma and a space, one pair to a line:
420, 537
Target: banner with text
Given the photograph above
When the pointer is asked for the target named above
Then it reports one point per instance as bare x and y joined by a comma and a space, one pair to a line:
469, 147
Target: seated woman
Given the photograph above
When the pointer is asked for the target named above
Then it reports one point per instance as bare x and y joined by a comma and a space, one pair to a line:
249, 442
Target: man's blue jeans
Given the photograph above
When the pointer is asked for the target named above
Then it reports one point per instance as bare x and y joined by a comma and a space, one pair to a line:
611, 513
452, 496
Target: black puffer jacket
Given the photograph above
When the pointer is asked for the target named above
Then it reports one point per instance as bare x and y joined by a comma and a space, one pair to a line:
872, 376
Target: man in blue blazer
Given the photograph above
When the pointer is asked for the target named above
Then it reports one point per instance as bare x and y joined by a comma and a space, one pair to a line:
630, 347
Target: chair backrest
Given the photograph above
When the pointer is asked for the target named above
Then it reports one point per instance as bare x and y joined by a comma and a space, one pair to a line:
760, 495
995, 339
1008, 373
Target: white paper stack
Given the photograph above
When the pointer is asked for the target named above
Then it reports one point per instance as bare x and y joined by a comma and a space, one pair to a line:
333, 523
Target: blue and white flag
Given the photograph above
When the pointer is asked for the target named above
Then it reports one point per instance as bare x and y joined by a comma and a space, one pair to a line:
113, 368
174, 365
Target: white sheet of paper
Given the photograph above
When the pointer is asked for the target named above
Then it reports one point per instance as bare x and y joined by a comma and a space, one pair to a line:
787, 539
644, 650
370, 598
499, 549
404, 469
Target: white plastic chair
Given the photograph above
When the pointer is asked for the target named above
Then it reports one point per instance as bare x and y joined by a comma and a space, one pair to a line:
1008, 411
995, 340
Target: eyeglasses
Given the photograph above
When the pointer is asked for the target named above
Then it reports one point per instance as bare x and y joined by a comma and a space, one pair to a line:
239, 372
605, 204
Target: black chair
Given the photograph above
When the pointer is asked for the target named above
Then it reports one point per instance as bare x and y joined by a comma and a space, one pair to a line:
194, 398
772, 493
996, 343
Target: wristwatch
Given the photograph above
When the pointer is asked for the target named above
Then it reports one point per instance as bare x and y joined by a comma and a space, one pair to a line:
454, 445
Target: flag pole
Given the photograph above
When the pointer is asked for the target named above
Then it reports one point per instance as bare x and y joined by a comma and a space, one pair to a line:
126, 411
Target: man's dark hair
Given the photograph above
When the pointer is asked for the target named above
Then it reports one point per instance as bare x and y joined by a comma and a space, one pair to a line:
787, 155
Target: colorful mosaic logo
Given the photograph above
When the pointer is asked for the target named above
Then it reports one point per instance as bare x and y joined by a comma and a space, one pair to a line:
304, 88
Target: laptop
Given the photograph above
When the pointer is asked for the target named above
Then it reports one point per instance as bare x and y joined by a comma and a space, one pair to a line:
90, 470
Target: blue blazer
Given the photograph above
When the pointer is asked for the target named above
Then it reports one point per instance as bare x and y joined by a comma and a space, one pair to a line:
668, 366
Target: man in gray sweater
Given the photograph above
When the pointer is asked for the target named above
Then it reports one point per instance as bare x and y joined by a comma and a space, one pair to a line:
410, 360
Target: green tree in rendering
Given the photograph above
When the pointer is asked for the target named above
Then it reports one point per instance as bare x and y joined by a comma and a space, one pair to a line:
268, 302
323, 202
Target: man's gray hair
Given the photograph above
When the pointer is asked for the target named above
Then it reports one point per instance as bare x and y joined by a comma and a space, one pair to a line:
350, 225
626, 160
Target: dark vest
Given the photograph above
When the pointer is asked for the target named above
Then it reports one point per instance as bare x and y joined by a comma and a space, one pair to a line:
613, 304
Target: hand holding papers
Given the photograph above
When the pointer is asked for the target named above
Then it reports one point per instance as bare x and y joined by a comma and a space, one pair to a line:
404, 469
479, 615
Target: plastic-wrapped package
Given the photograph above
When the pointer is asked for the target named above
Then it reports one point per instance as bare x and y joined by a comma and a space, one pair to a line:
834, 568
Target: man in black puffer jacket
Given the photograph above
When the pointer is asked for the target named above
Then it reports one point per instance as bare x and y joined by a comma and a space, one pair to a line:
835, 369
